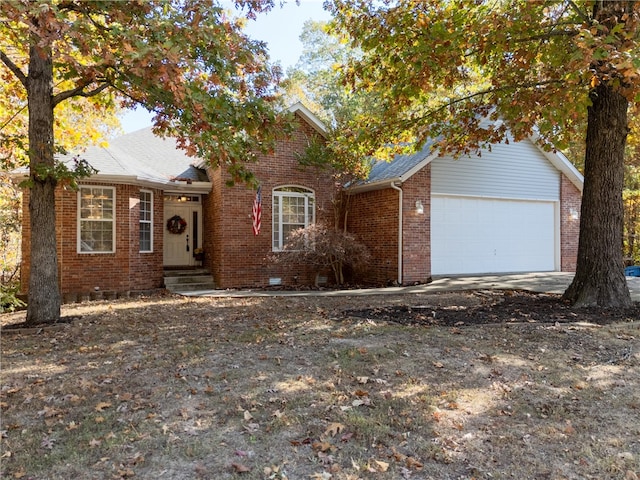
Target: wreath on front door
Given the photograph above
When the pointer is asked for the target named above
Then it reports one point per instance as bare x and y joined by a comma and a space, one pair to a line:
176, 224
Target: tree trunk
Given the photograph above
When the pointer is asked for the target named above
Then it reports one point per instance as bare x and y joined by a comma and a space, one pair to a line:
44, 293
599, 278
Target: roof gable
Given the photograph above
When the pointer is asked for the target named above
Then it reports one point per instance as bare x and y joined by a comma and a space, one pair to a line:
403, 167
309, 117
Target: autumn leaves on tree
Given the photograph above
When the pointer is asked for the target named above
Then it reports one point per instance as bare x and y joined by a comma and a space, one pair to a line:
438, 69
209, 85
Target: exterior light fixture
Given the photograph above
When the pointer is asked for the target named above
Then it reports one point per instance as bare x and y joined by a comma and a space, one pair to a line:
419, 207
573, 214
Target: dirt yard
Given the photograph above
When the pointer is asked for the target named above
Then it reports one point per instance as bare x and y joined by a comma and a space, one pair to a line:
475, 385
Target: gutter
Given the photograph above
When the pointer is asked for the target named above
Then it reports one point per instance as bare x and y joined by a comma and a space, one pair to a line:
396, 187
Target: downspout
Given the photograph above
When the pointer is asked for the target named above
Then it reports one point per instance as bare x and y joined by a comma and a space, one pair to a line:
395, 187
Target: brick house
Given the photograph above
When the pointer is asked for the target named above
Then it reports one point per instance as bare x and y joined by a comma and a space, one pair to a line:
113, 233
150, 207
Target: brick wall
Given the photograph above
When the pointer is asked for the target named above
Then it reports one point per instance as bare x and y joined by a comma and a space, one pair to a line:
570, 202
373, 218
240, 259
121, 272
416, 239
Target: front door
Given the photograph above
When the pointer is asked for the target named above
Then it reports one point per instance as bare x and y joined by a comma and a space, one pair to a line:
182, 229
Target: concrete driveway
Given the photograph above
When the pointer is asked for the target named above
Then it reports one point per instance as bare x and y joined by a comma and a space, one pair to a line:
549, 282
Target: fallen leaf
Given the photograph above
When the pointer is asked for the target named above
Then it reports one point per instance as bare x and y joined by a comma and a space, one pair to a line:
247, 415
126, 472
72, 426
362, 380
381, 466
94, 442
101, 406
240, 468
568, 429
19, 474
252, 427
321, 476
321, 446
346, 437
334, 428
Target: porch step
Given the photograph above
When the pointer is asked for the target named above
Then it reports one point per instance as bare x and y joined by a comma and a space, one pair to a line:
178, 281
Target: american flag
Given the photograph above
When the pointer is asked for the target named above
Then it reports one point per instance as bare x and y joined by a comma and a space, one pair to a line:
257, 211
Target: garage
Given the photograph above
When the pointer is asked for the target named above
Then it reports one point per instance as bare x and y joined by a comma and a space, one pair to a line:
495, 213
480, 235
506, 208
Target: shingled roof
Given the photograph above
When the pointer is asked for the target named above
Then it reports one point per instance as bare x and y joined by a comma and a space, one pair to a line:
143, 156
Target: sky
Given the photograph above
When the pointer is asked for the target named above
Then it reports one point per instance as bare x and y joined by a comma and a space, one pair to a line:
280, 28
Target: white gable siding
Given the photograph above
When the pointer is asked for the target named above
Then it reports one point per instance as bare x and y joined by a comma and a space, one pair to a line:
517, 170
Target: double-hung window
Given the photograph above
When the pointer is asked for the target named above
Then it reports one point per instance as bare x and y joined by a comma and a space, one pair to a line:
293, 208
146, 221
96, 228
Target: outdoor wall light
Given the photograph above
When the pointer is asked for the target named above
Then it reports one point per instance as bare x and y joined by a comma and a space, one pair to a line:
419, 207
573, 214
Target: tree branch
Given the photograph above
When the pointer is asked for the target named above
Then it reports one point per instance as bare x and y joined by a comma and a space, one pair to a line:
14, 68
580, 13
18, 112
78, 92
547, 36
491, 90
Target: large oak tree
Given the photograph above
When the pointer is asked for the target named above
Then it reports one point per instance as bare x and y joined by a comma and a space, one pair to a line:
188, 61
541, 67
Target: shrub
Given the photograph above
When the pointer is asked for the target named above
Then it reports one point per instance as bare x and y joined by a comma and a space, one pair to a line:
323, 247
9, 302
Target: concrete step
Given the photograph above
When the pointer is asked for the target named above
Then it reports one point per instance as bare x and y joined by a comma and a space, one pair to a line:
178, 281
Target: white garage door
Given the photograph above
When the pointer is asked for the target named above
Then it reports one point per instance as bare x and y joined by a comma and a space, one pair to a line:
473, 235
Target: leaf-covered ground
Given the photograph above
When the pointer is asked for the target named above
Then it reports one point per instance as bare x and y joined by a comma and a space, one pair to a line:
512, 385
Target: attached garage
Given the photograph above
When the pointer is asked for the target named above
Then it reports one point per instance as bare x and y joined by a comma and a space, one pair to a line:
495, 213
514, 208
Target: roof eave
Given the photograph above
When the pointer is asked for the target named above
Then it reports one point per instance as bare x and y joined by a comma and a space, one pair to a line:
167, 185
309, 117
377, 185
561, 162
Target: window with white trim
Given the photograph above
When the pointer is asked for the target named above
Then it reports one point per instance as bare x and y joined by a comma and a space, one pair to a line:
293, 208
146, 221
96, 226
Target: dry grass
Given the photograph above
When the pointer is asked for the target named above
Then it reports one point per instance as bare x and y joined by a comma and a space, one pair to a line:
275, 388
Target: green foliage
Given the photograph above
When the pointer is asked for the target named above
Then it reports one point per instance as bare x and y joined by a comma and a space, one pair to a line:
9, 301
631, 235
209, 85
316, 81
10, 228
64, 174
436, 69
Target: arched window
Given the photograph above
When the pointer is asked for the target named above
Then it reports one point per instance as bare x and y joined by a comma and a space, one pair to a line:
293, 208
